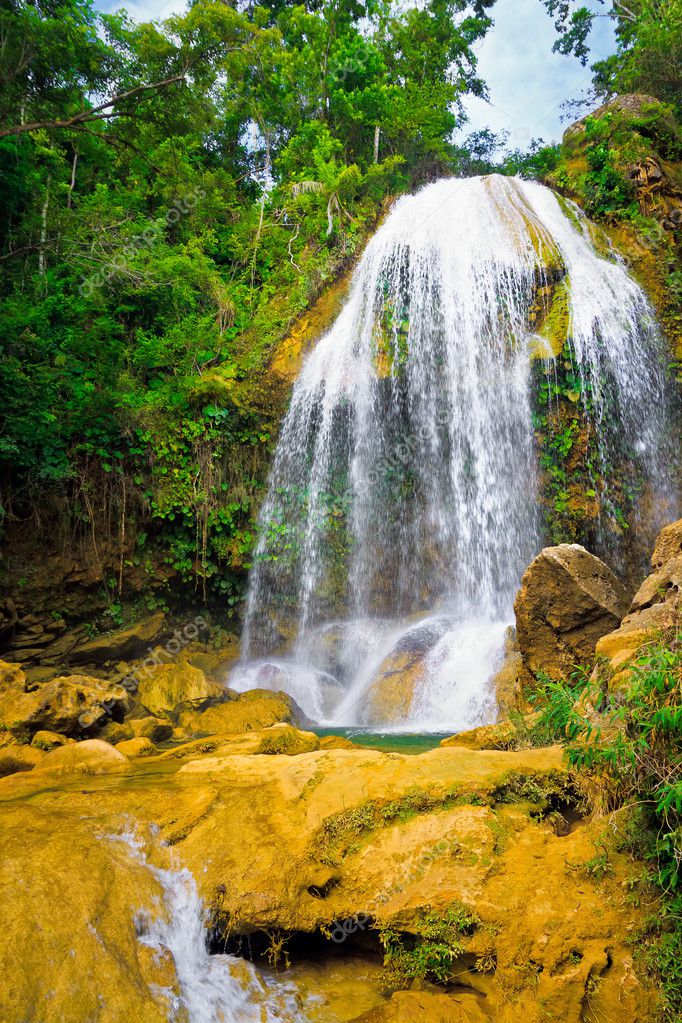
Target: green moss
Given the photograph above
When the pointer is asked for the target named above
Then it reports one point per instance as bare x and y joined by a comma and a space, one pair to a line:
553, 323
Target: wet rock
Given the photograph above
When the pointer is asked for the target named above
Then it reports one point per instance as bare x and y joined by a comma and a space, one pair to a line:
71, 705
316, 693
299, 842
92, 756
68, 945
390, 694
139, 747
568, 600
258, 708
123, 645
156, 729
165, 690
511, 680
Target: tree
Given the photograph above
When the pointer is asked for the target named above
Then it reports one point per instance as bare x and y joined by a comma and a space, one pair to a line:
649, 40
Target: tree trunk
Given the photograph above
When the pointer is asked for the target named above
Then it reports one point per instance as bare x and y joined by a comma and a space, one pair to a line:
72, 183
43, 228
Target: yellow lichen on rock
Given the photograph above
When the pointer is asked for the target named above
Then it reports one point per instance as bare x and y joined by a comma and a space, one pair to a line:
68, 945
258, 708
166, 689
655, 608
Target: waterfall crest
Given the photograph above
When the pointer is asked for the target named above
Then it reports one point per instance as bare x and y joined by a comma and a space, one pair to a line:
405, 480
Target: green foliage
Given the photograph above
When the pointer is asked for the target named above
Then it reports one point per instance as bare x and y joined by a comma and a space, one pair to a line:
634, 753
428, 951
155, 251
649, 44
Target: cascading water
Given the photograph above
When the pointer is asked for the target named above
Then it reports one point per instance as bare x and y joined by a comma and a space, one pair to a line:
210, 988
405, 482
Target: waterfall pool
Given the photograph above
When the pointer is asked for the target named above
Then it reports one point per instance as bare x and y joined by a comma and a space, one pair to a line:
387, 740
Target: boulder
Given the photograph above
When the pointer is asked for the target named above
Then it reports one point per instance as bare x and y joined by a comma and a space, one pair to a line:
390, 694
655, 608
15, 758
70, 705
165, 690
156, 729
139, 747
48, 741
128, 643
92, 756
255, 709
568, 600
117, 731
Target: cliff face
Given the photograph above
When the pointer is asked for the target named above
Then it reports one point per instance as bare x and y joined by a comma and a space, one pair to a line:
623, 165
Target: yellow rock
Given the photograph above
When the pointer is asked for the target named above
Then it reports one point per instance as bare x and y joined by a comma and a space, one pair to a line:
156, 729
390, 695
139, 747
501, 736
257, 708
301, 842
71, 704
47, 741
655, 607
337, 742
14, 758
117, 731
427, 1007
68, 947
510, 680
278, 739
167, 689
92, 756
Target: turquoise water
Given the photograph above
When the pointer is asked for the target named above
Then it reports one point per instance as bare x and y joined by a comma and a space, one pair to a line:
388, 742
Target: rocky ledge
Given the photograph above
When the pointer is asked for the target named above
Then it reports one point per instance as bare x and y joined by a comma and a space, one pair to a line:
468, 883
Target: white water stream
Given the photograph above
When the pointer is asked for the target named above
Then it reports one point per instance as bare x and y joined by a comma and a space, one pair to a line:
210, 988
403, 501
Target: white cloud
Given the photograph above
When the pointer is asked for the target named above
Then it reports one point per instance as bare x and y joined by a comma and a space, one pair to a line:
144, 10
527, 82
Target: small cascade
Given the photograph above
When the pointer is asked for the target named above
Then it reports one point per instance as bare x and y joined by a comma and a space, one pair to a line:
405, 485
211, 988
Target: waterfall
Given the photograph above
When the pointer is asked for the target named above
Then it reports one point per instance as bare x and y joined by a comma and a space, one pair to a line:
214, 988
403, 502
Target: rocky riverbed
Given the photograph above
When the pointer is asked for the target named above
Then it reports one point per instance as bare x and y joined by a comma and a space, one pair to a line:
163, 830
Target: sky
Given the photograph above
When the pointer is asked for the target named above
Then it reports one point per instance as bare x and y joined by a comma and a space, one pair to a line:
526, 81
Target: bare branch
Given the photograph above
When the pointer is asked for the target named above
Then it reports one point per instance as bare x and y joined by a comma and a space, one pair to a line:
96, 113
